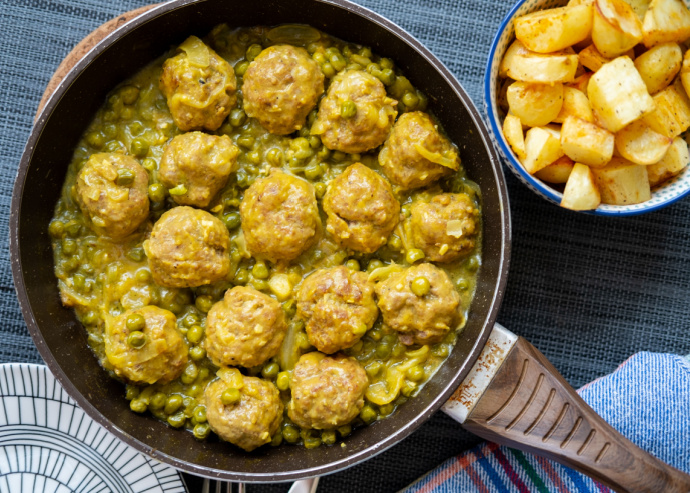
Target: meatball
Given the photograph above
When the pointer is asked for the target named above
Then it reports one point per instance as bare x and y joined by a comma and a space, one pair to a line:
251, 421
112, 192
280, 88
337, 306
245, 328
445, 228
327, 391
362, 210
280, 218
188, 248
356, 115
199, 86
416, 153
422, 319
159, 356
201, 163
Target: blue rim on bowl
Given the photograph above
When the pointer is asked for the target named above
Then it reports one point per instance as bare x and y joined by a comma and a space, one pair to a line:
669, 192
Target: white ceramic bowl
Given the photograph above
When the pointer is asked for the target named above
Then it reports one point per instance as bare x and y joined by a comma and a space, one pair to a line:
663, 195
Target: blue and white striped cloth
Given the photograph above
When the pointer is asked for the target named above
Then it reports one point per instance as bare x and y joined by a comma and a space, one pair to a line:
647, 399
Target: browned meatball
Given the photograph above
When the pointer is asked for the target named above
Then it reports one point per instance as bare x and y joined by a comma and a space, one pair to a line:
162, 356
188, 248
416, 153
362, 210
201, 163
368, 127
280, 88
199, 85
280, 218
245, 328
419, 319
327, 391
252, 420
112, 192
445, 228
337, 306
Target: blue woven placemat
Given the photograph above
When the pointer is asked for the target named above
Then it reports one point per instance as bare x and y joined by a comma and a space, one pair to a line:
587, 291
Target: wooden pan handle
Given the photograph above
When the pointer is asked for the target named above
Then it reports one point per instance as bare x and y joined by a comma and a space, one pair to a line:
530, 406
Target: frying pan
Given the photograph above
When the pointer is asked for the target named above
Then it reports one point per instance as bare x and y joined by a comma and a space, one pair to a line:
509, 392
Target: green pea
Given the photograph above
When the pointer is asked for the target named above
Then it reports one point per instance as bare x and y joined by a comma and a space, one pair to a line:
190, 373
90, 318
135, 128
177, 420
352, 264
270, 371
201, 431
289, 308
158, 400
135, 321
69, 246
472, 264
232, 220
414, 255
260, 284
291, 434
344, 430
319, 57
200, 414
197, 353
463, 284
132, 392
328, 70
95, 139
241, 68
374, 264
79, 281
314, 142
368, 414
409, 389
348, 109
56, 228
323, 153
410, 100
395, 242
203, 303
339, 156
149, 164
312, 172
406, 210
237, 117
441, 351
143, 275
387, 76
157, 192
277, 439
253, 51
178, 190
338, 62
420, 286
114, 146
328, 437
320, 189
138, 405
136, 254
374, 368
416, 373
275, 157
139, 147
283, 380
246, 141
173, 403
312, 442
136, 339
129, 94
383, 350
230, 397
241, 277
190, 319
195, 334
260, 270
196, 389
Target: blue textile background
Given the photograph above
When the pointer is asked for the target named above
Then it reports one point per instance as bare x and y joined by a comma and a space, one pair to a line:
587, 291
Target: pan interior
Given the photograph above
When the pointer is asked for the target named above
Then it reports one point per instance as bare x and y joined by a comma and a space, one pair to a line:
61, 339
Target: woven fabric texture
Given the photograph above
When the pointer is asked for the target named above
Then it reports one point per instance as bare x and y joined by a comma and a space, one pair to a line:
587, 291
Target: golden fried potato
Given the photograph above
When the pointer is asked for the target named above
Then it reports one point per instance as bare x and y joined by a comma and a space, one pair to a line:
615, 27
575, 103
543, 147
512, 130
671, 115
556, 172
586, 143
581, 192
622, 183
546, 31
674, 161
665, 21
639, 7
640, 144
581, 83
659, 65
535, 104
519, 63
618, 95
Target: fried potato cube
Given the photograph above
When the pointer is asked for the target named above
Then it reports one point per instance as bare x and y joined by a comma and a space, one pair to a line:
673, 162
519, 63
640, 144
582, 82
535, 104
665, 21
581, 192
671, 115
622, 183
618, 95
591, 58
615, 27
556, 172
546, 31
639, 7
512, 131
585, 142
659, 65
575, 103
543, 147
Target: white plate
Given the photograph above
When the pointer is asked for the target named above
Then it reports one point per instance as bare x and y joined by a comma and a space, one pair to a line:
49, 445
